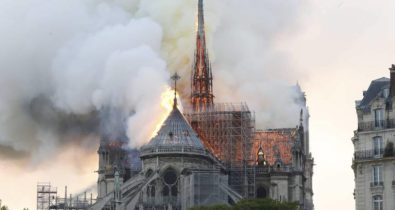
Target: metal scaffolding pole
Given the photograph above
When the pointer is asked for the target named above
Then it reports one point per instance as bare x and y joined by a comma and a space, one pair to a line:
228, 131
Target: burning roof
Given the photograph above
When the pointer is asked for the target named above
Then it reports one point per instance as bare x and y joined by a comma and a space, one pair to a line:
276, 144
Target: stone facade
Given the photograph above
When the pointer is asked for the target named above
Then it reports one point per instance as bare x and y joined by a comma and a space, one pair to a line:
374, 161
286, 172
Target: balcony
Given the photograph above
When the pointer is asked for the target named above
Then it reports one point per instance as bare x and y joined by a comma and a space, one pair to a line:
377, 184
376, 125
368, 154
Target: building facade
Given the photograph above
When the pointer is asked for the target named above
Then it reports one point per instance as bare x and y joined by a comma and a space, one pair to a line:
374, 161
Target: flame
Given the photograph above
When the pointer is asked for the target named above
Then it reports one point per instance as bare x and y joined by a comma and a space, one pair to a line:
166, 104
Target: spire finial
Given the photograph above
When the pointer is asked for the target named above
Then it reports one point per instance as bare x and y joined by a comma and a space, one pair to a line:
200, 18
175, 77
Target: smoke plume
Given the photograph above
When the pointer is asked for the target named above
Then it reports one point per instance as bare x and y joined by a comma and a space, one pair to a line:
67, 66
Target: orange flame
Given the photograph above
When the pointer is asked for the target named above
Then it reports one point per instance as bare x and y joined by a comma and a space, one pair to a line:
167, 99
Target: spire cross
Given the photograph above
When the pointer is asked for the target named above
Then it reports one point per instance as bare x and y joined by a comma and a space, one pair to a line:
175, 77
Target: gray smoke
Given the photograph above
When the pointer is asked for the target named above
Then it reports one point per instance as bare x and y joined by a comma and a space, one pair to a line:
67, 65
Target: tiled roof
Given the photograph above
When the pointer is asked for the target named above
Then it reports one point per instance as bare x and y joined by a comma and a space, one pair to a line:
277, 145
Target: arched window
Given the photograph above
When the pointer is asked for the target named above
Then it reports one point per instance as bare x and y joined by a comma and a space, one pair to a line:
170, 177
151, 190
378, 202
165, 191
261, 192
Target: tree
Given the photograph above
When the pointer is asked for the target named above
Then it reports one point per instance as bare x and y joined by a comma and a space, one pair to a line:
264, 204
4, 208
253, 204
214, 207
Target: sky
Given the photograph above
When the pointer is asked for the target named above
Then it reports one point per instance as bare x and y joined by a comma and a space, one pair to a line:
332, 48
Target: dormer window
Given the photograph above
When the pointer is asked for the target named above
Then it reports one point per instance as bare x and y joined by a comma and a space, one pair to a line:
261, 157
386, 93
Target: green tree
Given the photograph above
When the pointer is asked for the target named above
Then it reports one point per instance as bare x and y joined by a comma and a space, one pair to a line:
4, 208
253, 204
264, 204
214, 207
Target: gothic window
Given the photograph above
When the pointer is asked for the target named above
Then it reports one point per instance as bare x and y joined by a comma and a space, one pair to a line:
378, 202
174, 190
165, 191
378, 146
170, 177
170, 180
151, 190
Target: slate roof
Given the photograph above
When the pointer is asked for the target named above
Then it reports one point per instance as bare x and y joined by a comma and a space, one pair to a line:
175, 136
375, 88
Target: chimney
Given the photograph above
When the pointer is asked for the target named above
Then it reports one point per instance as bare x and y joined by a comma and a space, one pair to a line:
392, 82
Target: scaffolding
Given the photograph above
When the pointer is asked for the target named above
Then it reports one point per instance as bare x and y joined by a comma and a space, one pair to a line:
46, 195
47, 198
227, 130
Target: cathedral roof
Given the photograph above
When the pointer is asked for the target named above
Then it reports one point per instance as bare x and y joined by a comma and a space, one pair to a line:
175, 136
276, 143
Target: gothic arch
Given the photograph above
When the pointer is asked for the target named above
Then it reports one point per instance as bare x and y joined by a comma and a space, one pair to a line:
149, 173
261, 192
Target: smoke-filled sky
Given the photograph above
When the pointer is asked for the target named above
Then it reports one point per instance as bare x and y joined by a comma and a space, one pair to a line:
69, 66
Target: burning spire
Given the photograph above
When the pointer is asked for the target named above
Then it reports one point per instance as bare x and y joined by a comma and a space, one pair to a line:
175, 77
202, 87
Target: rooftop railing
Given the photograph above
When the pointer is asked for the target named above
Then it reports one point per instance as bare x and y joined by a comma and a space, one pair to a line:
376, 125
173, 149
273, 169
369, 154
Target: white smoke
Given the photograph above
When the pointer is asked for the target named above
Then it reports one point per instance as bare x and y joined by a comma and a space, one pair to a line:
249, 63
81, 56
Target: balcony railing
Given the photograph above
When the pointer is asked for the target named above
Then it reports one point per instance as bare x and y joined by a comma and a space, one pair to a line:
377, 184
376, 125
368, 154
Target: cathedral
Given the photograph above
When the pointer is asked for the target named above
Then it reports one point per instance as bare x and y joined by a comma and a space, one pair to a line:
210, 154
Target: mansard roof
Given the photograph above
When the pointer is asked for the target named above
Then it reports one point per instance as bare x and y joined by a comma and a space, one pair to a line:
174, 137
375, 88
